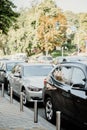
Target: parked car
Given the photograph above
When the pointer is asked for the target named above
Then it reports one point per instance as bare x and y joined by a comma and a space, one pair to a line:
65, 90
45, 59
5, 68
28, 78
61, 59
20, 56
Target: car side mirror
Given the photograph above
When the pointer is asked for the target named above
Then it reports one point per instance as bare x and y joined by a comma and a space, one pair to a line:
79, 85
17, 75
1, 70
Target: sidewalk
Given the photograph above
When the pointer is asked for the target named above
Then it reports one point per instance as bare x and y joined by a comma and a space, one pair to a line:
11, 118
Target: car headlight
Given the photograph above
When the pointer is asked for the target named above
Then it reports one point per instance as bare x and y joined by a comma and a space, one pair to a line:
36, 89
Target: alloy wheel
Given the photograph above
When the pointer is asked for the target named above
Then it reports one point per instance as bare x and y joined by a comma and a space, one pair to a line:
8, 89
24, 97
49, 110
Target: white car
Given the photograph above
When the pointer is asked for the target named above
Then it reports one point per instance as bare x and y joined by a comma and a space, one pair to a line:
29, 79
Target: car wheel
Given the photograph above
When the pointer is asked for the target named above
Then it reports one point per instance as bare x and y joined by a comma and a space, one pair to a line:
49, 112
6, 83
24, 97
8, 89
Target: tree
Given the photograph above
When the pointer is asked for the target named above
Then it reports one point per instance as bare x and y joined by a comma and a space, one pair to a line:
37, 29
50, 34
72, 18
7, 15
81, 33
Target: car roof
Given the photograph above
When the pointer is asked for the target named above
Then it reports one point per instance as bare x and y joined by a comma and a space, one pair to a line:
75, 63
72, 58
34, 64
11, 61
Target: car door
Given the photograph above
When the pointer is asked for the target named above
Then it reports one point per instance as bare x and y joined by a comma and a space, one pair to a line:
79, 96
62, 77
14, 79
66, 73
18, 79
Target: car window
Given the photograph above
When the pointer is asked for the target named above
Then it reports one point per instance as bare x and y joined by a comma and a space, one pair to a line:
78, 76
9, 66
49, 58
63, 74
0, 64
15, 69
3, 66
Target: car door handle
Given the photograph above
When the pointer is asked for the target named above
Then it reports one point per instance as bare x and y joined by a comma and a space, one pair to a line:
69, 91
66, 94
78, 100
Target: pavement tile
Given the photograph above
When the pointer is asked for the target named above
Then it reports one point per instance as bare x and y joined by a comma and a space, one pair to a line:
11, 118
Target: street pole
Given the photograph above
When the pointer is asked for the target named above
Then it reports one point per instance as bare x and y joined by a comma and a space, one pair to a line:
78, 40
62, 51
2, 89
58, 120
78, 43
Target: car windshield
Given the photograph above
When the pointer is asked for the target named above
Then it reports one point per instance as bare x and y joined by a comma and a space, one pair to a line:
37, 70
10, 66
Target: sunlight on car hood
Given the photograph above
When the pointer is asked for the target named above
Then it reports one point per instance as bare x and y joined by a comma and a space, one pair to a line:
36, 81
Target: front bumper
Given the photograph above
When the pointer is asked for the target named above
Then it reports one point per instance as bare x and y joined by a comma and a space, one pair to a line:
32, 96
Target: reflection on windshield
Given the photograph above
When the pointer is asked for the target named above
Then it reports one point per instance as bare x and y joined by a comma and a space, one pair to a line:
10, 66
37, 70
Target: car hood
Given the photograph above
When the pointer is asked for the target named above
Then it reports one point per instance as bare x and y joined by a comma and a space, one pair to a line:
36, 81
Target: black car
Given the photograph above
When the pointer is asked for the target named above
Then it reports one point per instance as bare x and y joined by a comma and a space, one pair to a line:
65, 90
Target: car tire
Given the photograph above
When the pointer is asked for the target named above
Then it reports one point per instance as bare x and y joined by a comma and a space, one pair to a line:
6, 83
49, 112
24, 97
8, 88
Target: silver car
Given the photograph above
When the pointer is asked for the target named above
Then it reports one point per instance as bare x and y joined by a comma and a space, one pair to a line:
29, 78
5, 68
45, 59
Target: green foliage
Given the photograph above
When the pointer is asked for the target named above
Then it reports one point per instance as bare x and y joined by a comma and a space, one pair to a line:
35, 29
72, 18
26, 29
56, 53
7, 15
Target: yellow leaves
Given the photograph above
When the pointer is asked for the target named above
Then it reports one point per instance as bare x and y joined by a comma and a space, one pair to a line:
37, 26
47, 33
